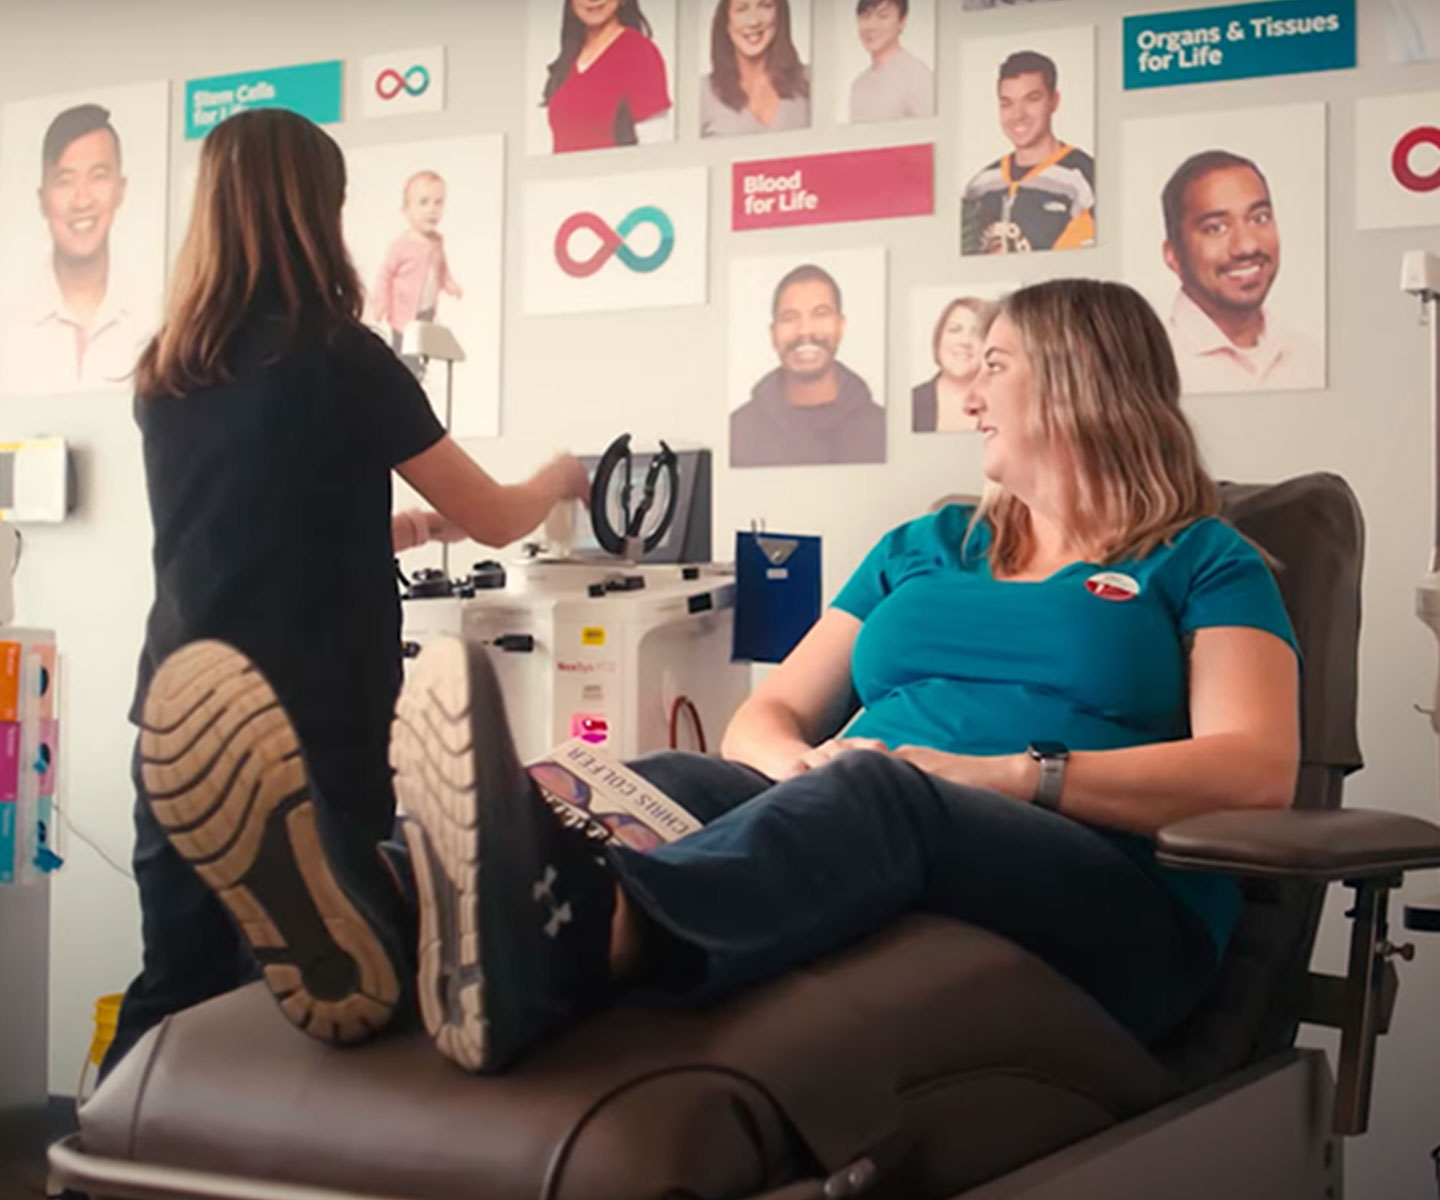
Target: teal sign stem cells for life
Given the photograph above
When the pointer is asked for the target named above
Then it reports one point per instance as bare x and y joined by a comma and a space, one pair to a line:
313, 90
1239, 41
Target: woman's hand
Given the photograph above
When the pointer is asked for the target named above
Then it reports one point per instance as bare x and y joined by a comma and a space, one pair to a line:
1011, 775
819, 755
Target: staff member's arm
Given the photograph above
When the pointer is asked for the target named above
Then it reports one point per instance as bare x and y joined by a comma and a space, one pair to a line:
466, 496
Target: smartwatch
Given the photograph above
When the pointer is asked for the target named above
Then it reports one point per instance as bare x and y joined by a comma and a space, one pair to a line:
1052, 757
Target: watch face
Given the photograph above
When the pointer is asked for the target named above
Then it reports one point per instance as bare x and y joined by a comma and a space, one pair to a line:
1049, 750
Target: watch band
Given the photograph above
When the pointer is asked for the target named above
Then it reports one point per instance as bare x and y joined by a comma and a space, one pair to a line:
1051, 781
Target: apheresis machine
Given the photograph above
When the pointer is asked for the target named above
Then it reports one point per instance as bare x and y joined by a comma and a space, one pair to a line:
614, 626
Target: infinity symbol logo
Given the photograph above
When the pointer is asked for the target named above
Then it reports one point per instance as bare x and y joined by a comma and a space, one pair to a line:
390, 83
612, 242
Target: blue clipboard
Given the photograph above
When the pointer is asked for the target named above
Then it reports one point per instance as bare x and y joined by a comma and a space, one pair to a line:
777, 593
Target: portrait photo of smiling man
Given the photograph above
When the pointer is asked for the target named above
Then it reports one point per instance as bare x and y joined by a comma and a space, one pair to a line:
811, 406
83, 280
1239, 238
1038, 96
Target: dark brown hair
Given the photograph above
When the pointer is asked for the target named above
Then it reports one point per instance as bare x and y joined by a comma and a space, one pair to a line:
782, 60
266, 221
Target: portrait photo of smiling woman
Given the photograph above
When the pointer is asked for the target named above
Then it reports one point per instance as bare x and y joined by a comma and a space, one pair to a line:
82, 236
605, 81
947, 341
1225, 235
758, 81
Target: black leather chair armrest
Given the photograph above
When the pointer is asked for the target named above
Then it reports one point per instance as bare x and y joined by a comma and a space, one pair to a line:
1342, 844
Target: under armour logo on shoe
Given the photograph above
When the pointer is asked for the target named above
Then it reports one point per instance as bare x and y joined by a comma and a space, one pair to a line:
558, 917
544, 889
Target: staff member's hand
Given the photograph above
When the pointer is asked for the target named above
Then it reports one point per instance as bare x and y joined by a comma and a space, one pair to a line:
566, 478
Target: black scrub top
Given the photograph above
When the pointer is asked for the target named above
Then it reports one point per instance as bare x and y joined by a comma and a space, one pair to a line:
271, 500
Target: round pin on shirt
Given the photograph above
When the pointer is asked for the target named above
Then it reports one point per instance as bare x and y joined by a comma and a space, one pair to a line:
1112, 585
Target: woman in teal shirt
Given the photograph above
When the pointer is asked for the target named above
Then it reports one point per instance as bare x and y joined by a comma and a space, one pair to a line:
997, 713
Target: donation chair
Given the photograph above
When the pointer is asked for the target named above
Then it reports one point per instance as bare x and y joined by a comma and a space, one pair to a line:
935, 1060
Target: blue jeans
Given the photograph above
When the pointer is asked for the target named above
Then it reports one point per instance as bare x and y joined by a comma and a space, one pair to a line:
784, 873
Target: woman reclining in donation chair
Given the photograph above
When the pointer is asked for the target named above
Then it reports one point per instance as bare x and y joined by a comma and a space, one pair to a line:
1041, 683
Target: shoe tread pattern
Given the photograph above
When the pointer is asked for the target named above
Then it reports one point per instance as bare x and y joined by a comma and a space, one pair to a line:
223, 769
431, 748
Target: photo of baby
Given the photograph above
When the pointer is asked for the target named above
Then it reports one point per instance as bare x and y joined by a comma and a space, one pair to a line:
415, 271
423, 222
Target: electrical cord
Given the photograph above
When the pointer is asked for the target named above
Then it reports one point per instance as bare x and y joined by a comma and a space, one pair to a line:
686, 705
74, 829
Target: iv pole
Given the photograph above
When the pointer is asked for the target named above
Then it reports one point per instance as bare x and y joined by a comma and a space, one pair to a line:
1420, 276
431, 342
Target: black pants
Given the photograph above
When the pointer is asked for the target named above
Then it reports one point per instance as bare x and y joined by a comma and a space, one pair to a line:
192, 950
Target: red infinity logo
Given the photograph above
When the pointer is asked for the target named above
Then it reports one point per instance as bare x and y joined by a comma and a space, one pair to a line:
1405, 175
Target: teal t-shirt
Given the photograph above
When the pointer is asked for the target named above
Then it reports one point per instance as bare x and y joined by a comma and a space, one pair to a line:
1096, 657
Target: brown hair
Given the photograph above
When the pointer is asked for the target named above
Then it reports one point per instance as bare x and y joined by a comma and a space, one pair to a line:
1108, 390
985, 312
266, 220
782, 60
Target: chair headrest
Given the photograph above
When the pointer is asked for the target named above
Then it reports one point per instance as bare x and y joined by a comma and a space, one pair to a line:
1313, 527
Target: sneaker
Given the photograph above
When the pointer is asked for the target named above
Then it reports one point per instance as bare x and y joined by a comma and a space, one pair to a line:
225, 776
515, 908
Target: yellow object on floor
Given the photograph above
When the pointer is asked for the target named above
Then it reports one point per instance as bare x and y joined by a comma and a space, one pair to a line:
107, 1016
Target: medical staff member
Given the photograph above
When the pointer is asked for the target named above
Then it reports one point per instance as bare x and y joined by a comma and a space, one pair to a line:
607, 86
997, 713
272, 420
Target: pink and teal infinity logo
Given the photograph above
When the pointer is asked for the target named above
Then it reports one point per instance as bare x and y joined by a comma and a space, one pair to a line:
390, 82
613, 242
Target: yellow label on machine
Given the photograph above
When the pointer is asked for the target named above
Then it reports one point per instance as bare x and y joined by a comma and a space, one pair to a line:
593, 635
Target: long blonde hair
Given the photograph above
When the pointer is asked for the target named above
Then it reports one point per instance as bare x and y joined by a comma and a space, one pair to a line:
1107, 390
266, 219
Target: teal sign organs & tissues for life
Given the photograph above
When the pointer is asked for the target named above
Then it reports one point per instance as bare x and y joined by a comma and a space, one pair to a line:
1239, 41
313, 90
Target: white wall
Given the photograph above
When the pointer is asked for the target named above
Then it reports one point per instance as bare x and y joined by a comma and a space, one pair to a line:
661, 374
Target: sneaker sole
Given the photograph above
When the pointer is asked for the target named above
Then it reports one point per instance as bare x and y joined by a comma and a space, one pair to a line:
432, 749
226, 779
